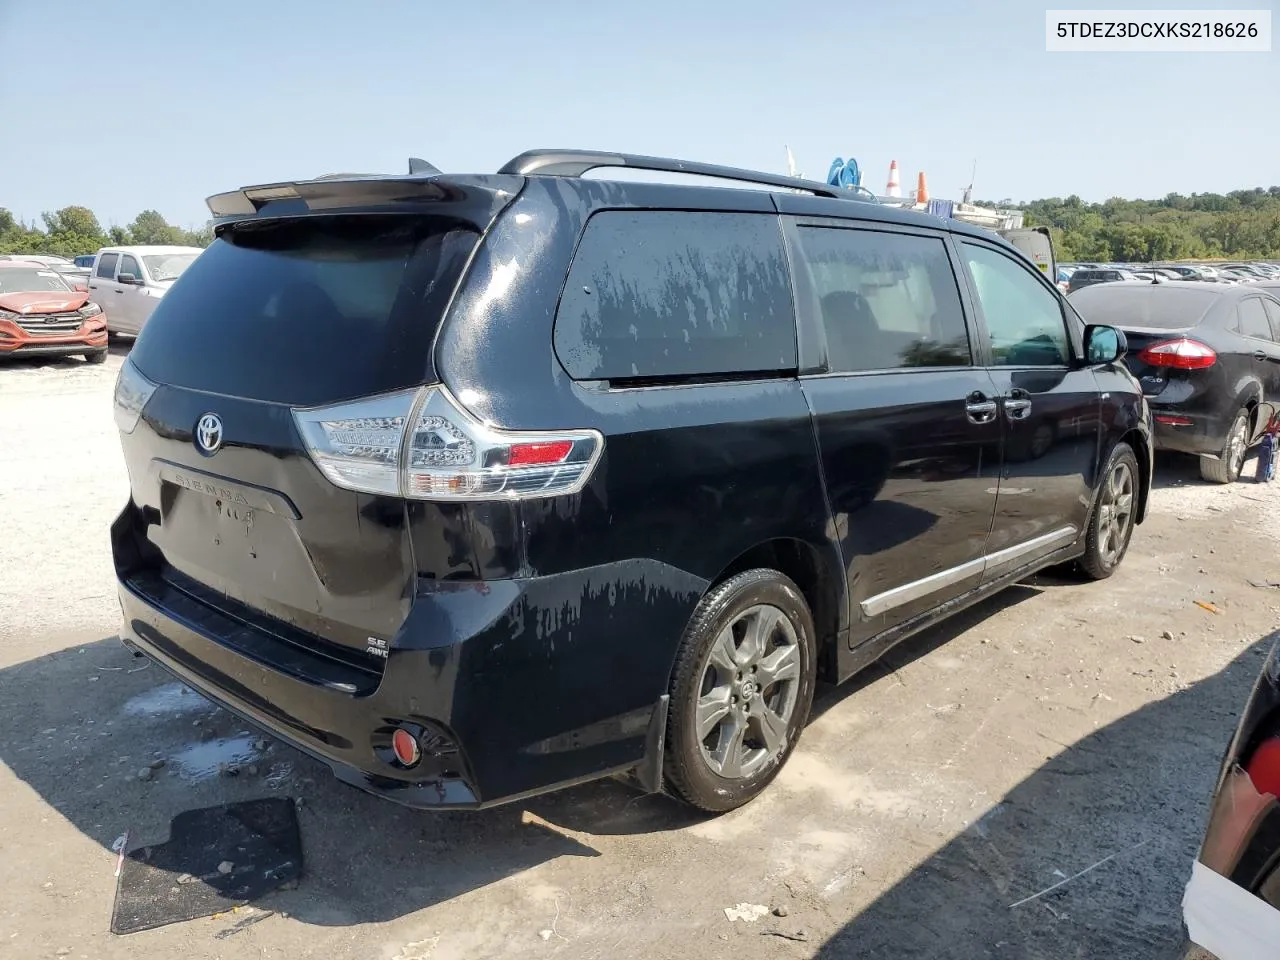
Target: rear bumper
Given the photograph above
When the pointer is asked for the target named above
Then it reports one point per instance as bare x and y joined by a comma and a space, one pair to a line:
15, 341
1205, 434
511, 692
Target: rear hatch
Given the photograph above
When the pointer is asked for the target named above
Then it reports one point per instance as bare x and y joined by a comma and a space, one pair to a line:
312, 308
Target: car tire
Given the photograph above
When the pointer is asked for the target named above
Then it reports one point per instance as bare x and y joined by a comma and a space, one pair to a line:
1226, 469
729, 732
98, 356
1114, 515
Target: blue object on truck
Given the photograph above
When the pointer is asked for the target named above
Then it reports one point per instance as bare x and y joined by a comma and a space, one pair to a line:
941, 208
844, 174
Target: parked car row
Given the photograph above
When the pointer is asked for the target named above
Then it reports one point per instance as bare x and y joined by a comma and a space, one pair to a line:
50, 305
1073, 276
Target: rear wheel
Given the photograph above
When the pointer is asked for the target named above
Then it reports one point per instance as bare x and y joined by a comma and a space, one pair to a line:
741, 690
1226, 469
1111, 526
98, 356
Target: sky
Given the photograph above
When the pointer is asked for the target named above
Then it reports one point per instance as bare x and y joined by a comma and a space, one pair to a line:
157, 105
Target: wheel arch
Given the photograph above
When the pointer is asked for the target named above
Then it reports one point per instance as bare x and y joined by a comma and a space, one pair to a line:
819, 573
1142, 449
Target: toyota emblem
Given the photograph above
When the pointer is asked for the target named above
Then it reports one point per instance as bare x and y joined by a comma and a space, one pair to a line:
209, 434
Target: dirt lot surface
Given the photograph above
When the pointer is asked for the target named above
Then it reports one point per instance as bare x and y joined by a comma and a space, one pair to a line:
1055, 728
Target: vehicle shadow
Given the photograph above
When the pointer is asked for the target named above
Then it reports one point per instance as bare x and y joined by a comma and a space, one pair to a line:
83, 725
1173, 470
1115, 819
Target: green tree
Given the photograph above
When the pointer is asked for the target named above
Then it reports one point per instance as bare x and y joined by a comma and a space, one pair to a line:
150, 227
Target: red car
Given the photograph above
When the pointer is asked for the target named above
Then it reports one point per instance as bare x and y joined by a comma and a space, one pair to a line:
41, 315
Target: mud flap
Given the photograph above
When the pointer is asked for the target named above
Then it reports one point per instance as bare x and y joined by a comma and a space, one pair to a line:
648, 775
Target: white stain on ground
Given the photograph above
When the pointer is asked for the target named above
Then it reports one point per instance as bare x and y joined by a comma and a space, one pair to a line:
174, 699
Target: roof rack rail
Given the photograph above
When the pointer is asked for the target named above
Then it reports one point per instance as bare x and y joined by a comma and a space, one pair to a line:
574, 163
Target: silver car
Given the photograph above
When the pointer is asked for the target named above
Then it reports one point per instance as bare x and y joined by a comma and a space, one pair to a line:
128, 282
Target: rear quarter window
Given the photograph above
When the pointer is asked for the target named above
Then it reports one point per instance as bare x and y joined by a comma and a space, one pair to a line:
309, 311
660, 294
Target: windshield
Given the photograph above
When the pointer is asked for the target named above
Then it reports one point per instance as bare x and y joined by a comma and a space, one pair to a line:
33, 280
167, 266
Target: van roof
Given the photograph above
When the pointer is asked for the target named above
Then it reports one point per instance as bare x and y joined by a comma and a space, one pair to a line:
429, 183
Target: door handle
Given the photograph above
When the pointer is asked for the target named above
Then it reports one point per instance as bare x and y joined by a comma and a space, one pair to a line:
1259, 355
93, 286
1017, 409
979, 409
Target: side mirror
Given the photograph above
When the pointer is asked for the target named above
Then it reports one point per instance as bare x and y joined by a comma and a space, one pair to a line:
1103, 344
80, 287
127, 278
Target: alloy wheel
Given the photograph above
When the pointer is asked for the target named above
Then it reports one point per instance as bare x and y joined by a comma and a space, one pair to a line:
1116, 513
750, 686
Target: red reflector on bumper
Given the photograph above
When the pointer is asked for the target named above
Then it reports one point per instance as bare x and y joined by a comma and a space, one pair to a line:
405, 746
1173, 421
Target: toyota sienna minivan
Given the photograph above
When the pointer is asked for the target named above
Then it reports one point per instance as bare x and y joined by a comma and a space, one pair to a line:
475, 486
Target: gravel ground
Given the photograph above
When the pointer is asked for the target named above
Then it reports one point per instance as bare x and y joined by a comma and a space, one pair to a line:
1051, 728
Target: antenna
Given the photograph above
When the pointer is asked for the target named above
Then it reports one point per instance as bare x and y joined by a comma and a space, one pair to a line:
973, 176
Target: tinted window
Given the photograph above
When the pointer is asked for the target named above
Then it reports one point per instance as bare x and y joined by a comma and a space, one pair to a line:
130, 265
1024, 320
308, 311
1273, 314
1253, 319
107, 266
665, 293
887, 300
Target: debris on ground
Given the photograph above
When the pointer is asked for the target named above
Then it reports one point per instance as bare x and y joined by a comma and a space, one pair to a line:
418, 950
146, 773
229, 856
746, 912
800, 936
1205, 605
781, 910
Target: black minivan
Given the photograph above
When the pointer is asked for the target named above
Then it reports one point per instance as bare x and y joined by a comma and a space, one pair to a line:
477, 486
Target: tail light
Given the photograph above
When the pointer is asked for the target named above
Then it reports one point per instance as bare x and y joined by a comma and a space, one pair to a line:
133, 390
421, 445
1181, 354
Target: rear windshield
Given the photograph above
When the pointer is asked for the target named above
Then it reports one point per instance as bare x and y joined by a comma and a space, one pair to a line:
308, 311
655, 294
1169, 306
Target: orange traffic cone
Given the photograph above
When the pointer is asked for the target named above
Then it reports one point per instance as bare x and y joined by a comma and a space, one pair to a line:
922, 190
893, 189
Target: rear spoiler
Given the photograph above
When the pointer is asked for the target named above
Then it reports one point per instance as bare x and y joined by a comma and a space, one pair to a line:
423, 184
